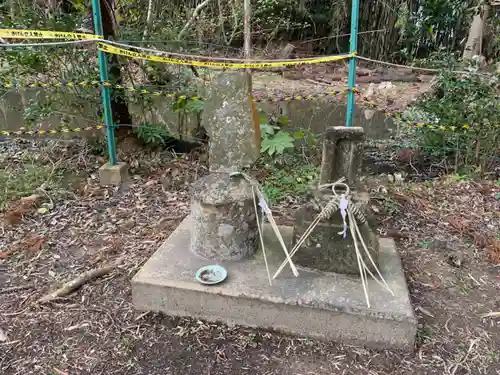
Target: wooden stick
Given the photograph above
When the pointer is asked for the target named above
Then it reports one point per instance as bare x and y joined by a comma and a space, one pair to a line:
359, 258
358, 231
76, 283
259, 227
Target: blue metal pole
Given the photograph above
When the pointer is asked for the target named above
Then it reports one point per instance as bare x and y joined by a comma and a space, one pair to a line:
351, 81
105, 91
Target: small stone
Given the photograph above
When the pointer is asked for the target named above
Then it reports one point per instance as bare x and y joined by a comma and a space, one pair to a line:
456, 260
129, 224
369, 113
3, 336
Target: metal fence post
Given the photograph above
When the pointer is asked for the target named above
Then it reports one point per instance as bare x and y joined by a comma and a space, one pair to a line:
105, 90
351, 81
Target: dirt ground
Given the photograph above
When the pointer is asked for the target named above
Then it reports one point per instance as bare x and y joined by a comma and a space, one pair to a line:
447, 231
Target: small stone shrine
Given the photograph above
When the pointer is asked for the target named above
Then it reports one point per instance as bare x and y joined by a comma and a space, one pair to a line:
222, 230
325, 249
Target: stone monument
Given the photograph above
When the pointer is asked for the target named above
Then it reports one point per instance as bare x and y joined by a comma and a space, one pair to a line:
222, 230
222, 209
228, 117
326, 249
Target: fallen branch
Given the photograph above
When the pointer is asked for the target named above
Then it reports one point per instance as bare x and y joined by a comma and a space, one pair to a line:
76, 283
491, 314
318, 82
464, 359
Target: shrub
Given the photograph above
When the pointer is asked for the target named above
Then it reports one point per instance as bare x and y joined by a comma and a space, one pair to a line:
153, 135
462, 119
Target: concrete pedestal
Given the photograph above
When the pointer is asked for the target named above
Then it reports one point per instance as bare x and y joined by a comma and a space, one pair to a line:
325, 306
113, 174
223, 217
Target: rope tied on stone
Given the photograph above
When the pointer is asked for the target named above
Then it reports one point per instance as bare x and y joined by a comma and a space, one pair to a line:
266, 213
328, 205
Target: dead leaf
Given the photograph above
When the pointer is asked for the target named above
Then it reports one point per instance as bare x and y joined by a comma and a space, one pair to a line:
30, 199
456, 260
25, 205
398, 178
35, 244
46, 207
59, 372
480, 240
5, 254
42, 210
457, 224
150, 183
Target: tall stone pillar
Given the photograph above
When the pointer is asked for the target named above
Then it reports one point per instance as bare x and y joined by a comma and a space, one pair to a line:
222, 208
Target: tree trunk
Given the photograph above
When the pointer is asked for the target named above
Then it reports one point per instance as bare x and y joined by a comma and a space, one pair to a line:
149, 19
12, 11
119, 106
488, 38
473, 46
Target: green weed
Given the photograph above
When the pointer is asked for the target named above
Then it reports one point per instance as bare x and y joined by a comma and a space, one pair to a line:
425, 243
23, 181
457, 177
289, 182
424, 334
468, 107
391, 206
153, 135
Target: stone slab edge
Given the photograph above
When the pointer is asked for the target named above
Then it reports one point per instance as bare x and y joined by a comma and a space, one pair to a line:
221, 304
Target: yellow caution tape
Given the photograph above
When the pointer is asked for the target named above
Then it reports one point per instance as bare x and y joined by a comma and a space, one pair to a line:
214, 64
24, 131
45, 34
398, 116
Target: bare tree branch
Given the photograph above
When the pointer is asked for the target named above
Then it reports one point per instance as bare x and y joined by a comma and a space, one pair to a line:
149, 19
76, 283
197, 11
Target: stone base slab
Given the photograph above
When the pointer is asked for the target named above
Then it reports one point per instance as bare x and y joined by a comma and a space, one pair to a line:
324, 306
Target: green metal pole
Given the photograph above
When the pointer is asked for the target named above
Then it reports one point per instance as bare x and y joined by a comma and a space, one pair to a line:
351, 81
105, 91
